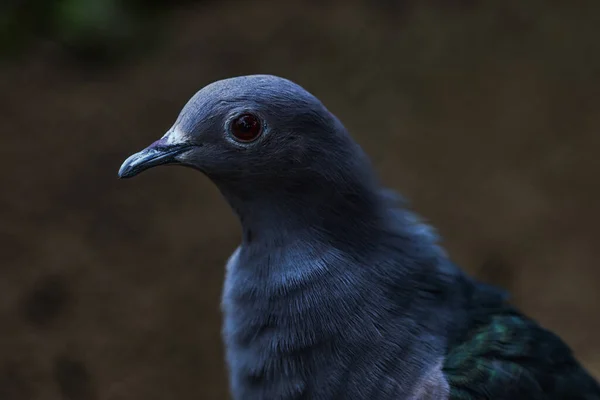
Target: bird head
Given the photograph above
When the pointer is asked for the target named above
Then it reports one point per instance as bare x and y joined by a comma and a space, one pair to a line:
263, 136
256, 126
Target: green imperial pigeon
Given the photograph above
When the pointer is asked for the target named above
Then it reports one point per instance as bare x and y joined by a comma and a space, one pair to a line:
337, 290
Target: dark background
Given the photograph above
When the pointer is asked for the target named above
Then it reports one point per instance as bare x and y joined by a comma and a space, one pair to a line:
483, 113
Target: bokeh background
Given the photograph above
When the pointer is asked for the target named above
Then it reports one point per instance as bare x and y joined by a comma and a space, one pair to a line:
483, 113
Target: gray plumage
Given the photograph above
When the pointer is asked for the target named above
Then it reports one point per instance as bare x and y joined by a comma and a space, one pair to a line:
337, 291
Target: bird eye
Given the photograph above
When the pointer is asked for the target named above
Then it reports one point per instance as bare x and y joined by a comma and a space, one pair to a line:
246, 128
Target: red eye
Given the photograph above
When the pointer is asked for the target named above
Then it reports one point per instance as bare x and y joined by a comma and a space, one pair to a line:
246, 128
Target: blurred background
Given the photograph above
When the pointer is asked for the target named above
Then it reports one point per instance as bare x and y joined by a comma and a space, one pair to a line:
483, 113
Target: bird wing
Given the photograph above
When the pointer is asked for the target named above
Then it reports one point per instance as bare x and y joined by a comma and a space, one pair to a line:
512, 357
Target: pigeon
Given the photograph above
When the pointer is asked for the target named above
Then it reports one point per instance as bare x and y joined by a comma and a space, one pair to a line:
338, 290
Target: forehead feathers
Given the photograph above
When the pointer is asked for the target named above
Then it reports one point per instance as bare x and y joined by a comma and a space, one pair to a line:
273, 97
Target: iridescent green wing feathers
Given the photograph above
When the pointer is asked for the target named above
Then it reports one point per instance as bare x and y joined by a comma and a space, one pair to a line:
511, 357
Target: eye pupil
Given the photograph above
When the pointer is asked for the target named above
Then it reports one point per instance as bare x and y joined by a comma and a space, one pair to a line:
246, 127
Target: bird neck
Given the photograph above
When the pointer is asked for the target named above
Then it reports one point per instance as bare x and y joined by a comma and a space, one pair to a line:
320, 211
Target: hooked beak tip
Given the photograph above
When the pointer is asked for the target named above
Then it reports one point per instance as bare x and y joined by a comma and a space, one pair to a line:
148, 158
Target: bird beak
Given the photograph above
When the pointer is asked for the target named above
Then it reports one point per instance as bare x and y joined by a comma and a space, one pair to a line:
158, 153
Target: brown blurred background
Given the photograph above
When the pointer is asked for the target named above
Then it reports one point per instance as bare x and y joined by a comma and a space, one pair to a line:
483, 113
